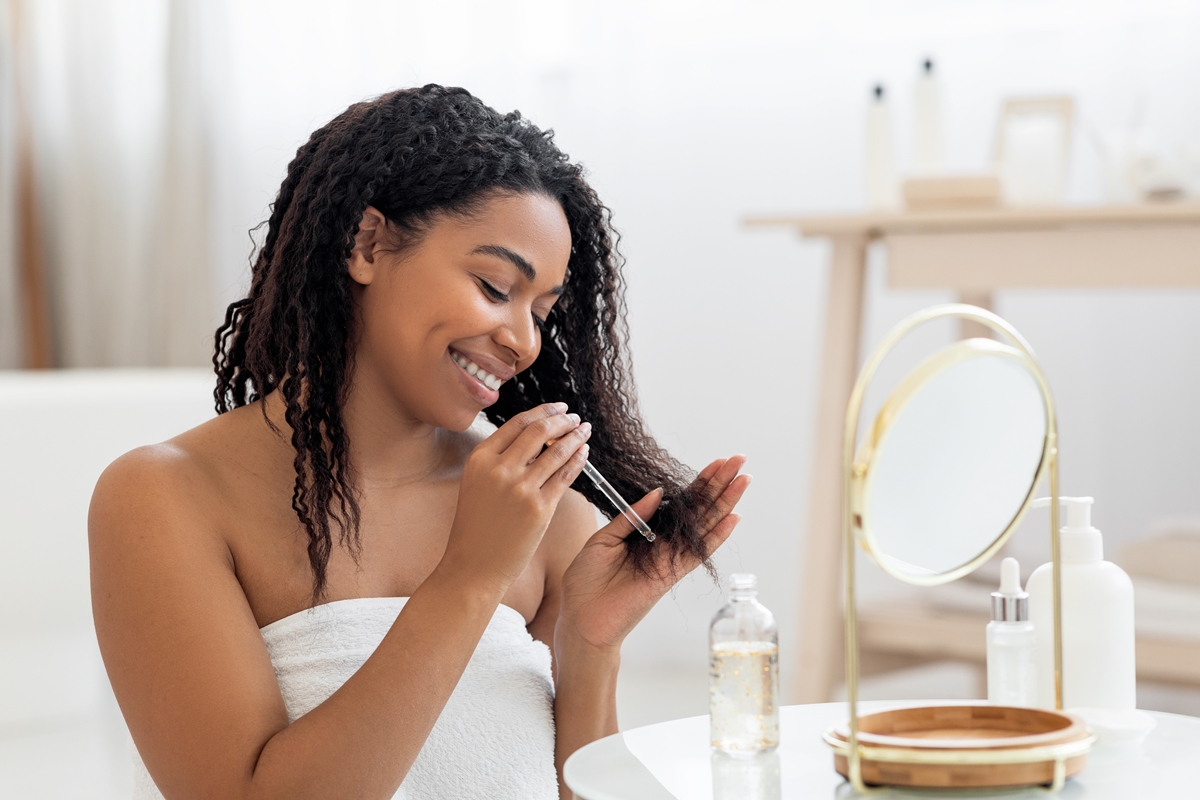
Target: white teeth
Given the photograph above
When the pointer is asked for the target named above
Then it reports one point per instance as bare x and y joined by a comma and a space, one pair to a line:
479, 373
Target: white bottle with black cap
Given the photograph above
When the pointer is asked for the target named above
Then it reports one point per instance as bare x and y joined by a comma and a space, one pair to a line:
927, 122
1011, 643
883, 191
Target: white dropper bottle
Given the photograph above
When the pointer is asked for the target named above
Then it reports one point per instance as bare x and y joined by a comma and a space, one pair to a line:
1099, 669
1011, 643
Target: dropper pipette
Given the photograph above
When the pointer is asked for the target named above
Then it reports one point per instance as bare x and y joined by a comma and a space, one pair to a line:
618, 502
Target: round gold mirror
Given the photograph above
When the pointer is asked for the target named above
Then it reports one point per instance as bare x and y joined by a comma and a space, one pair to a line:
942, 478
949, 466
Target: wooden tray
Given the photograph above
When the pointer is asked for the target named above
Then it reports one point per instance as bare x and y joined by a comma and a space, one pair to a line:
932, 731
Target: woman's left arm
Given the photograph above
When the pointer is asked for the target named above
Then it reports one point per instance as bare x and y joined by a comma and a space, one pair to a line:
599, 599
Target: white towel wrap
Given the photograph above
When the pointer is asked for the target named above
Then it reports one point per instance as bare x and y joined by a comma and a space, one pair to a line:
494, 738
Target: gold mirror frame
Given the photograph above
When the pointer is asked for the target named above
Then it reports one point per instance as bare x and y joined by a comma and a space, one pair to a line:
868, 451
855, 473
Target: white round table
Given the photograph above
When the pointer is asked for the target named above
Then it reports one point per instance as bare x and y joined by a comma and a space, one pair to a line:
673, 761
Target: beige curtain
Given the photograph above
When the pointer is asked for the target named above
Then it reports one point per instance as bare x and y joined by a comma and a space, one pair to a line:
181, 244
11, 341
122, 137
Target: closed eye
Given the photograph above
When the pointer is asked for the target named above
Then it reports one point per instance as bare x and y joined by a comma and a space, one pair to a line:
492, 291
500, 297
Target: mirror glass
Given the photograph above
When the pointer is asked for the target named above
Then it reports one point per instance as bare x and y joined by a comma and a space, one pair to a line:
954, 458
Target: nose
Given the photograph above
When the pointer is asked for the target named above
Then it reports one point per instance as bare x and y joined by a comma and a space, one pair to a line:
519, 334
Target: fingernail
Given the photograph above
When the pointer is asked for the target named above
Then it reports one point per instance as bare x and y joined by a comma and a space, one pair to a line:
585, 450
558, 408
585, 428
736, 518
574, 418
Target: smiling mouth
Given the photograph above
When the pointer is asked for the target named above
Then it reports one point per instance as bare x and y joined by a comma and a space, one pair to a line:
477, 372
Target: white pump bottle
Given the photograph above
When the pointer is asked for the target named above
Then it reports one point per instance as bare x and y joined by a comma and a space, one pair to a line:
1097, 620
883, 192
927, 122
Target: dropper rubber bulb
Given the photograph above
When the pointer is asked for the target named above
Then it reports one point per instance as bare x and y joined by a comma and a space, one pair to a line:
1010, 577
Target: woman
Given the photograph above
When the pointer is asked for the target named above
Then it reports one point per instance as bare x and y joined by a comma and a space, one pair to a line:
340, 585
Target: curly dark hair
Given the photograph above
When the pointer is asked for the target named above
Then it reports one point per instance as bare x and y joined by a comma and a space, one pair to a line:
416, 155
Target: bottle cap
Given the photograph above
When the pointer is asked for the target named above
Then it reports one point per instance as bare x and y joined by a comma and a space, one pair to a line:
743, 584
1010, 604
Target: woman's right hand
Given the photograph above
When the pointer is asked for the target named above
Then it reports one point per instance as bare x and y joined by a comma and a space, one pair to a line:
511, 486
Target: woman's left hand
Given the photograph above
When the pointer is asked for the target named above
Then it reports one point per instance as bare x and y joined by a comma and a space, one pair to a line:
603, 597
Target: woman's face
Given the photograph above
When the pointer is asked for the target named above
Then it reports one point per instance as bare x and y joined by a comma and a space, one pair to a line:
447, 320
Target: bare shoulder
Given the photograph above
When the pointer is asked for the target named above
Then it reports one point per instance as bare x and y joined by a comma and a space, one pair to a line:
146, 478
177, 476
151, 510
163, 508
179, 640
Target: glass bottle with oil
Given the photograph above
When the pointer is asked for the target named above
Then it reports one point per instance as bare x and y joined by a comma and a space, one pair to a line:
743, 647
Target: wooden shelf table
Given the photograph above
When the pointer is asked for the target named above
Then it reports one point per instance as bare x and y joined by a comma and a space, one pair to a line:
974, 253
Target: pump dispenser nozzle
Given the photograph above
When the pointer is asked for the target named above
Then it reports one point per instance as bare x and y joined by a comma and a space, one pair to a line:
1079, 510
1081, 542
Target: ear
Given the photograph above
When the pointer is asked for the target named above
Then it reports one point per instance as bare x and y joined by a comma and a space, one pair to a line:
367, 240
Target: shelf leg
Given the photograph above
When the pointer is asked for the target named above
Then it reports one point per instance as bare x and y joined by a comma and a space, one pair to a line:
820, 648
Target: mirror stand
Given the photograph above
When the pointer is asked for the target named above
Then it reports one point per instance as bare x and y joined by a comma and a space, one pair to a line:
911, 747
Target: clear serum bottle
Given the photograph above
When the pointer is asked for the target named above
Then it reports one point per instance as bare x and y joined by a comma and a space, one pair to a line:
743, 647
1011, 643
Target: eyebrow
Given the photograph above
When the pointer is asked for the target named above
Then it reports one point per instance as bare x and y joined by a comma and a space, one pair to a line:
516, 259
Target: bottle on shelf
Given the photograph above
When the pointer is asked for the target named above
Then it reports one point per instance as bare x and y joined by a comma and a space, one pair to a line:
927, 121
743, 643
883, 192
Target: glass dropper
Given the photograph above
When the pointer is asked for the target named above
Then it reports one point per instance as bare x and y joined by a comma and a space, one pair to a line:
618, 502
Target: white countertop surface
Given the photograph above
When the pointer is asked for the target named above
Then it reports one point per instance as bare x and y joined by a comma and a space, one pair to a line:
673, 761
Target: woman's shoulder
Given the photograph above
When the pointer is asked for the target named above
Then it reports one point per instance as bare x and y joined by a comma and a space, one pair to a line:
151, 515
186, 472
154, 465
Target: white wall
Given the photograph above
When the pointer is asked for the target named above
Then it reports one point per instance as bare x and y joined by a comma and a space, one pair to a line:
693, 115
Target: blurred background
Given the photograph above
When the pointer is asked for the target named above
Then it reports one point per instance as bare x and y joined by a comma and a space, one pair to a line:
142, 140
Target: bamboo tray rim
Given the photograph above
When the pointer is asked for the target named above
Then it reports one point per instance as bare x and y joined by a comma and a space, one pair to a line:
977, 757
1074, 731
